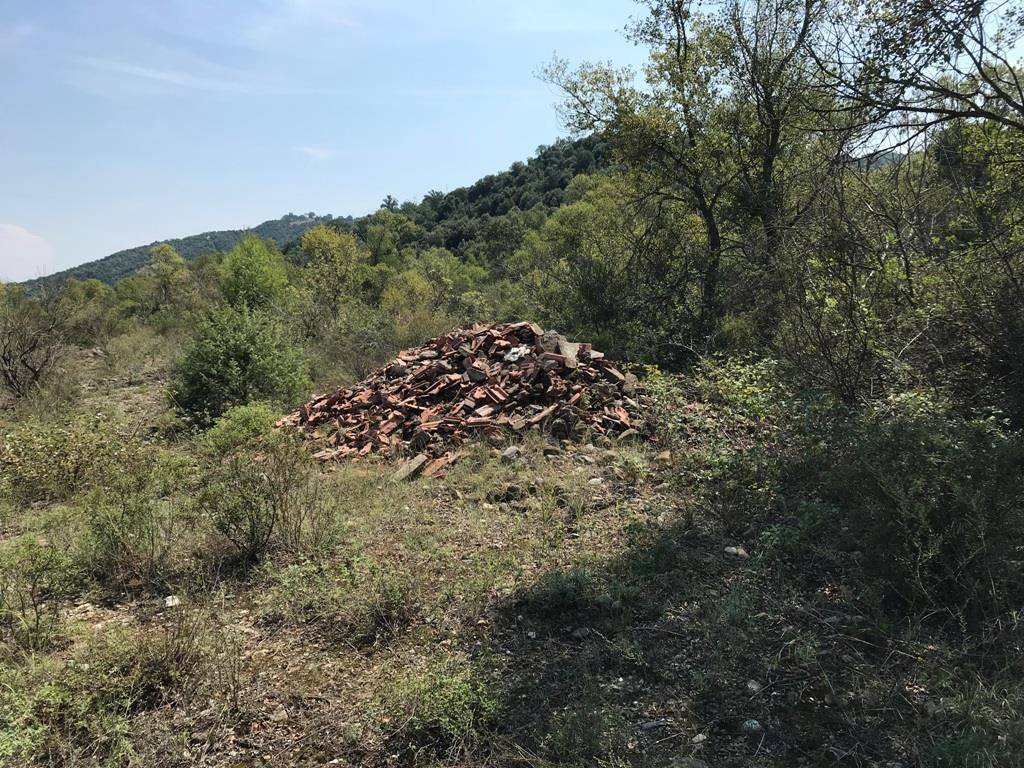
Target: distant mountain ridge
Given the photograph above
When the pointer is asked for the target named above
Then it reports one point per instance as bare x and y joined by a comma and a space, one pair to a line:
124, 263
454, 218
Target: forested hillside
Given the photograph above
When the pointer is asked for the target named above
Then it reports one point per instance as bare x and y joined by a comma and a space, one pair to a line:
124, 263
452, 220
759, 501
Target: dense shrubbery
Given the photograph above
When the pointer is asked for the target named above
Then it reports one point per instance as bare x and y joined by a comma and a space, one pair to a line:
238, 355
42, 461
929, 503
933, 502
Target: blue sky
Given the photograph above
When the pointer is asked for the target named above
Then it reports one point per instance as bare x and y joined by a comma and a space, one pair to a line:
128, 122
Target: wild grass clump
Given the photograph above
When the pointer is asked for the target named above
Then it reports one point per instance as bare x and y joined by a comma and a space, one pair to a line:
444, 711
136, 525
355, 602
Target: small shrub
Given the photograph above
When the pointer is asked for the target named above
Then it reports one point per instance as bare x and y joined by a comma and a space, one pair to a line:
273, 500
131, 538
726, 423
133, 526
81, 712
561, 593
46, 462
237, 356
34, 576
139, 353
360, 339
444, 711
586, 732
240, 426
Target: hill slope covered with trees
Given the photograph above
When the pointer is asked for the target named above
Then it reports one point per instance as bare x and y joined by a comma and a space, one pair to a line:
452, 218
124, 263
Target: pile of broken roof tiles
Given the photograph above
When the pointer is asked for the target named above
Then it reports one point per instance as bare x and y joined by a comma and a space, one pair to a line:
482, 380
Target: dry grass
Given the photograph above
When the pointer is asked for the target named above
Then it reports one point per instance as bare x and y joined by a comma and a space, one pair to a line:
506, 614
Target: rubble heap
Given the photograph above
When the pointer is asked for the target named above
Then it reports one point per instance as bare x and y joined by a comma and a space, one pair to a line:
485, 379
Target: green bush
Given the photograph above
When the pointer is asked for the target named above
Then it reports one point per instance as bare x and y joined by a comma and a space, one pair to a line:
45, 462
934, 501
443, 711
268, 501
725, 424
132, 535
240, 426
34, 576
236, 356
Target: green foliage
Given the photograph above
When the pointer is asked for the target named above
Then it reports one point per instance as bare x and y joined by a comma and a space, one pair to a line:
616, 272
237, 356
122, 265
934, 501
331, 258
91, 309
443, 711
133, 525
43, 461
270, 501
34, 332
34, 577
240, 426
587, 732
82, 712
253, 275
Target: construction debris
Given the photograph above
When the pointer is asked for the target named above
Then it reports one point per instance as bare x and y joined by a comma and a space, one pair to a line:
485, 380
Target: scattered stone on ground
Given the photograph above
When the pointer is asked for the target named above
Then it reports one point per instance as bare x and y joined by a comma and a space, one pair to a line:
486, 379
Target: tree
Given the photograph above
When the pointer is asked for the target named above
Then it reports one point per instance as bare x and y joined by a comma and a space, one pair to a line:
253, 274
170, 276
91, 310
621, 273
332, 258
719, 126
904, 68
238, 355
33, 334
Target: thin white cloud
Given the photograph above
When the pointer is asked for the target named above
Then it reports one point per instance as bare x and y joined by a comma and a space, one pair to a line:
23, 254
164, 76
280, 22
319, 154
110, 76
11, 35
